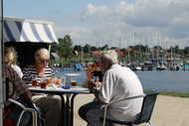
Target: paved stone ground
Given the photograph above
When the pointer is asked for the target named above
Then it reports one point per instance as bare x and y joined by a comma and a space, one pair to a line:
168, 111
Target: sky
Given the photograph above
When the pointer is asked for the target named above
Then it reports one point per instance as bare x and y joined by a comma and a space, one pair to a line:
119, 23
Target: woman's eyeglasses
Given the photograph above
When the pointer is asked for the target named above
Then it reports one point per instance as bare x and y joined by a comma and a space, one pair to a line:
43, 61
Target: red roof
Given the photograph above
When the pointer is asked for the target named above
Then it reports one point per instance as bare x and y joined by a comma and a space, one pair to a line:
96, 52
128, 49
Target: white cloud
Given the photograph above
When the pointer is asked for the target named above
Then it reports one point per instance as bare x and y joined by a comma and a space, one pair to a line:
92, 9
144, 21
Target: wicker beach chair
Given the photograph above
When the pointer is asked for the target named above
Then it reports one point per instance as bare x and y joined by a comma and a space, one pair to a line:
143, 117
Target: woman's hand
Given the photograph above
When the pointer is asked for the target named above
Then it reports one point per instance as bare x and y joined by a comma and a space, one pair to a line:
53, 80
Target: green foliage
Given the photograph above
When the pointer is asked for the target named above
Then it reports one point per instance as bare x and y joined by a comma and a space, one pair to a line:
86, 48
137, 53
174, 94
140, 47
186, 50
78, 48
94, 48
65, 47
105, 47
54, 48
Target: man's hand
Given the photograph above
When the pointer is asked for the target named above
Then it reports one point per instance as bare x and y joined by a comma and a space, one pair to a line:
98, 84
93, 86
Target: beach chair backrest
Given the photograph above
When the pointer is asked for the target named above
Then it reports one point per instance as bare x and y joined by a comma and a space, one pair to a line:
147, 108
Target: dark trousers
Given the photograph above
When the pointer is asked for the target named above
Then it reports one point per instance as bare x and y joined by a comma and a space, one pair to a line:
92, 112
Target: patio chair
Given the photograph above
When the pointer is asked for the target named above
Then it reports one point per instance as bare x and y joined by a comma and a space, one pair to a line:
143, 117
24, 110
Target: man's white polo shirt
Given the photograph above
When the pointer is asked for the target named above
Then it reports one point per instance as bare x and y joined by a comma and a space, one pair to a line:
119, 83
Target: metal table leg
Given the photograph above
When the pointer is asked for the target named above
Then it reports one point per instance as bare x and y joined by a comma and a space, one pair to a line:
68, 109
72, 110
63, 120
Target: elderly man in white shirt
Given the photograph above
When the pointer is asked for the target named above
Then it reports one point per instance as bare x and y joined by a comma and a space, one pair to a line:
118, 83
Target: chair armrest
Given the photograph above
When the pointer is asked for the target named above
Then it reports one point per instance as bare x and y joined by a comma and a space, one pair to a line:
34, 115
17, 103
25, 109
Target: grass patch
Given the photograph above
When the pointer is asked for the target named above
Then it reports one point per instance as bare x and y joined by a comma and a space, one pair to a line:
175, 94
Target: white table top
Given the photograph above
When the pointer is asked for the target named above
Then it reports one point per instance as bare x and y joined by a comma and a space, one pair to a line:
59, 90
72, 74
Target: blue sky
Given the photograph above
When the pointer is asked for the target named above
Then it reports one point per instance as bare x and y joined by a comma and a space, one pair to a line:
113, 22
58, 8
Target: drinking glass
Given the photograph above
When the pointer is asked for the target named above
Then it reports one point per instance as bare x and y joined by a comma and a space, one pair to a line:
73, 82
63, 80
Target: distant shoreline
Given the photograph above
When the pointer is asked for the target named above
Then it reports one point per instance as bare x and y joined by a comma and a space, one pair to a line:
169, 93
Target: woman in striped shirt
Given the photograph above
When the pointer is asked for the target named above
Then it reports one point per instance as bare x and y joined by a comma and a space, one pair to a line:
31, 73
50, 104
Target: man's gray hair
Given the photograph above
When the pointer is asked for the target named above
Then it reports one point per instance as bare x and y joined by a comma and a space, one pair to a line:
110, 55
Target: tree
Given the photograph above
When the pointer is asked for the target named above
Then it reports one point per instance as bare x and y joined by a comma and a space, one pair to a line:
158, 47
65, 47
105, 47
86, 48
78, 48
94, 48
186, 51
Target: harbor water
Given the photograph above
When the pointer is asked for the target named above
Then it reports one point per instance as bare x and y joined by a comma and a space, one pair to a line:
171, 81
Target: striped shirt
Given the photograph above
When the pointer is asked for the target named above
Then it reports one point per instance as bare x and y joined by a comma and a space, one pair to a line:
30, 73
